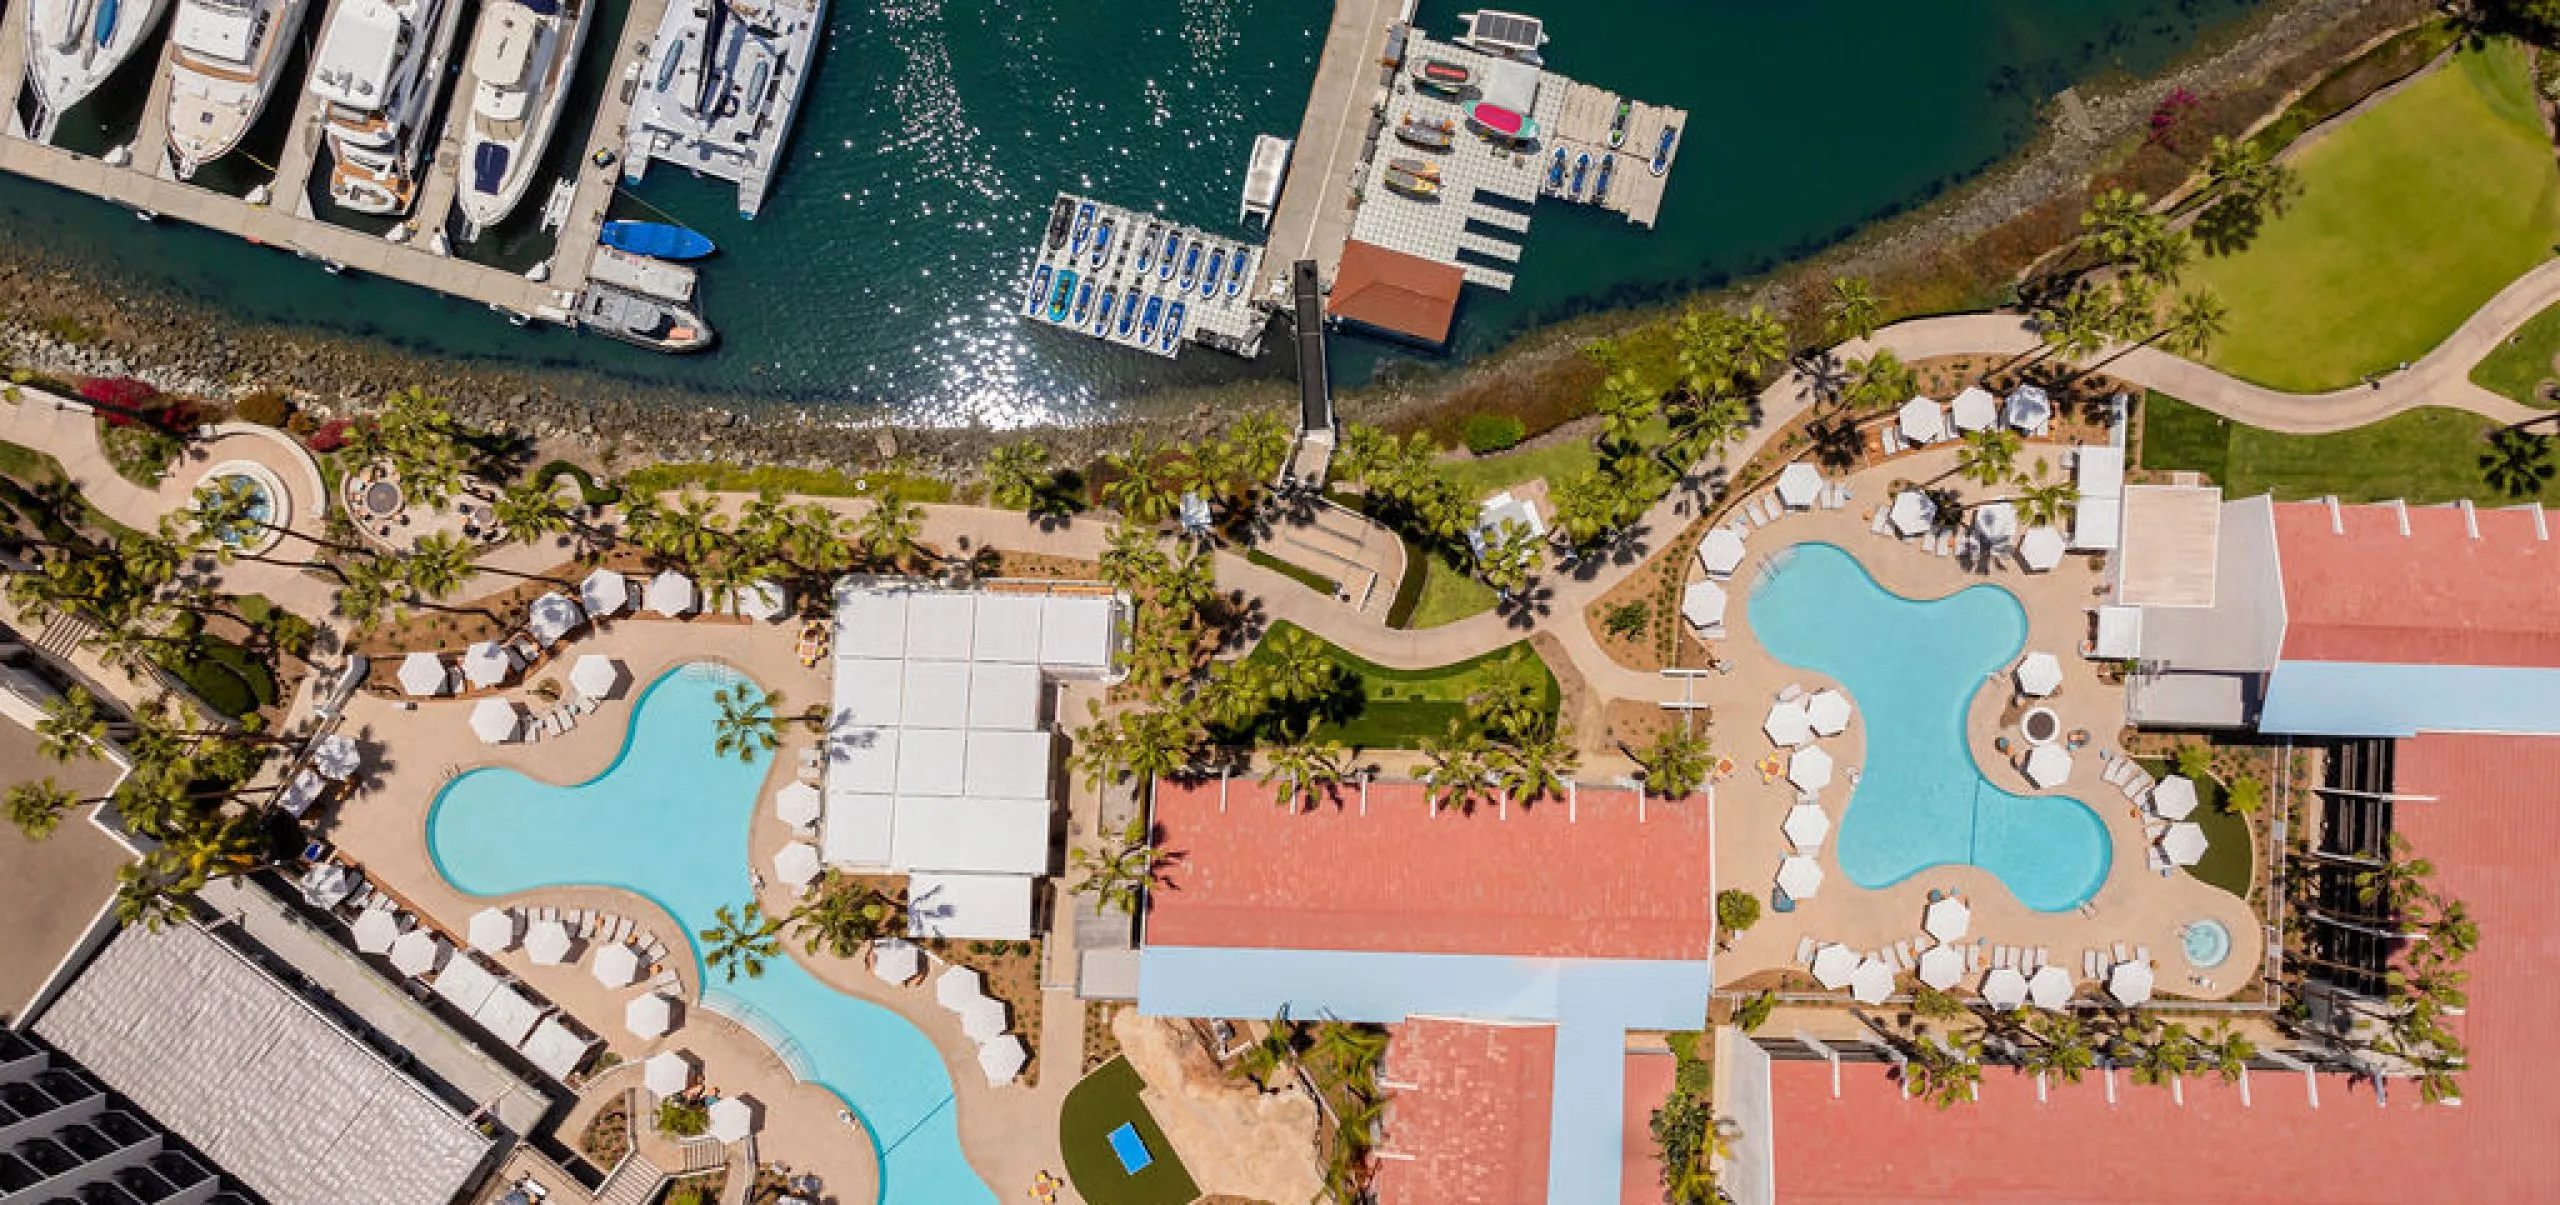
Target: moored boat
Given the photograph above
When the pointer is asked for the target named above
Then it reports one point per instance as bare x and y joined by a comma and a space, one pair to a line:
1662, 150
1429, 135
657, 240
1084, 303
1581, 174
1129, 313
1039, 291
1600, 187
1062, 297
1442, 76
1618, 124
522, 59
1062, 216
1555, 171
1501, 124
1235, 272
74, 45
1102, 315
1153, 318
222, 69
1084, 229
1102, 241
1209, 278
1172, 256
1420, 167
1191, 266
1172, 326
380, 68
649, 322
1411, 185
1147, 248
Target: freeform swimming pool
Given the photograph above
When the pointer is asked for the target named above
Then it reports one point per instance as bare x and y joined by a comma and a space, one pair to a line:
668, 821
1913, 669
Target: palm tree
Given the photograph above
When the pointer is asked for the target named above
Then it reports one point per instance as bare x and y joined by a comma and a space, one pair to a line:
844, 913
1944, 1071
2157, 1052
417, 435
2225, 1052
2061, 1049
1346, 1048
1275, 1049
888, 531
749, 725
1147, 744
1675, 763
71, 727
1306, 771
1117, 874
690, 533
1990, 457
1627, 410
1133, 558
1535, 764
2047, 503
437, 566
1456, 777
1881, 380
1510, 696
1759, 340
740, 942
2398, 882
2196, 320
1852, 310
1297, 667
2078, 326
2517, 463
1508, 557
2116, 224
372, 590
1142, 488
36, 806
1016, 474
529, 510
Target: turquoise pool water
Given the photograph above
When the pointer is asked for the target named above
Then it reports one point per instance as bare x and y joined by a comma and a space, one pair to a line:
668, 820
1913, 669
2208, 943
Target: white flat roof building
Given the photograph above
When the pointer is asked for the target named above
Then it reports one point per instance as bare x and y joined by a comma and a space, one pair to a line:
983, 907
968, 834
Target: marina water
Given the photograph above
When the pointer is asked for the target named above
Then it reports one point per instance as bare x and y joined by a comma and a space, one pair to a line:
886, 271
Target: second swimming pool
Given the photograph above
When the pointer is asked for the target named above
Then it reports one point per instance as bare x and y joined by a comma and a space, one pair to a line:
1913, 669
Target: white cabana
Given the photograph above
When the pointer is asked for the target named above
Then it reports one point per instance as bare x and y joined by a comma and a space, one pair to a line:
506, 1012
2039, 674
2041, 549
2029, 410
1799, 485
1807, 824
467, 985
418, 953
556, 1049
1947, 919
956, 988
487, 664
2184, 843
1872, 982
895, 959
732, 1119
2050, 988
1002, 1059
548, 943
2119, 634
649, 1016
668, 1073
2048, 766
1799, 876
1788, 724
1809, 768
1914, 513
671, 594
424, 675
1721, 552
553, 616
1702, 604
2174, 797
797, 863
1941, 967
336, 756
300, 793
605, 592
493, 930
2130, 983
1828, 712
1974, 409
1832, 965
798, 805
376, 930
1923, 420
495, 721
1995, 522
596, 676
616, 965
985, 1019
760, 600
2004, 987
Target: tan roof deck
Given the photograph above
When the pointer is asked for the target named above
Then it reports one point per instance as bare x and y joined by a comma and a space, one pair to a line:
2170, 534
50, 890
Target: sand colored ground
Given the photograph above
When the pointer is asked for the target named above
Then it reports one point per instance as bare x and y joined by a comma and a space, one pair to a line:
1235, 1139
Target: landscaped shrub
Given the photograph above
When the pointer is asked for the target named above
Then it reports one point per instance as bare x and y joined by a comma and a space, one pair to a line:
266, 407
118, 393
331, 436
1486, 434
140, 453
589, 492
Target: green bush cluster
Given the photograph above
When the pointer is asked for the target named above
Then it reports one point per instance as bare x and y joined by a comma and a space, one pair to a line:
266, 407
1486, 434
589, 492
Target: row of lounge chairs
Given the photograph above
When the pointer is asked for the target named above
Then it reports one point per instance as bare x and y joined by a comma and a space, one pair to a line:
557, 721
595, 926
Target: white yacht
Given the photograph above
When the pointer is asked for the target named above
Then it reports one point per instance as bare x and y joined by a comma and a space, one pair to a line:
720, 89
74, 45
229, 53
380, 67
521, 60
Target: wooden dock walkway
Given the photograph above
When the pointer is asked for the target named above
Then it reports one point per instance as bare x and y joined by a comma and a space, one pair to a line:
1313, 219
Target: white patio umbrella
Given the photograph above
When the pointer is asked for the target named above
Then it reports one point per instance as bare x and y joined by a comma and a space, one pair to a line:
1872, 982
1809, 768
495, 721
1923, 420
671, 594
1807, 824
1974, 409
1828, 712
1941, 967
605, 592
553, 616
2184, 843
2130, 982
1799, 484
2174, 797
548, 943
596, 676
417, 953
1788, 724
2004, 987
956, 988
336, 756
1002, 1059
2048, 767
424, 675
1799, 876
762, 601
2029, 409
732, 1119
616, 965
1995, 522
377, 930
2041, 549
984, 1020
1947, 919
493, 931
895, 959
1721, 552
487, 664
1913, 514
797, 863
1832, 965
667, 1072
2039, 674
798, 805
649, 1016
2050, 988
1702, 604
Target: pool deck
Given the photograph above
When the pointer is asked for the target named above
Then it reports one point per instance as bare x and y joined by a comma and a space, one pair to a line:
1009, 1133
2135, 905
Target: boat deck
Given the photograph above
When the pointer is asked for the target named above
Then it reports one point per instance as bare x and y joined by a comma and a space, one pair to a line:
1229, 323
740, 140
641, 274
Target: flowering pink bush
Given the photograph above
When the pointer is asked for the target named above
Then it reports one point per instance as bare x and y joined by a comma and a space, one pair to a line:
118, 393
331, 436
2171, 110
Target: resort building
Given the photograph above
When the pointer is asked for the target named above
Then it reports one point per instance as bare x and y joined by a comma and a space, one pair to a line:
1391, 293
941, 764
63, 1137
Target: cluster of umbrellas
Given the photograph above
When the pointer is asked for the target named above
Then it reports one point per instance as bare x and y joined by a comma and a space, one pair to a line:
673, 1072
1001, 1055
1792, 724
1870, 977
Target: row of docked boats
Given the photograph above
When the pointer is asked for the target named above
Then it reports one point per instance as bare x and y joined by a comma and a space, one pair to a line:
1189, 260
1579, 181
1114, 311
1128, 278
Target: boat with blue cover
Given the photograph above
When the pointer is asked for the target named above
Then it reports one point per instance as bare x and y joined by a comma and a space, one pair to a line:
657, 240
1235, 273
1039, 291
69, 57
1662, 150
1102, 315
1084, 303
1102, 241
1600, 187
1209, 279
1153, 318
1172, 326
1084, 228
1172, 255
1129, 313
1555, 172
1147, 248
1063, 297
1191, 266
1581, 173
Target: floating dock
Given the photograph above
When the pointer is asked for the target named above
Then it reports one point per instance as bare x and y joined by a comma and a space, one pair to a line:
1074, 272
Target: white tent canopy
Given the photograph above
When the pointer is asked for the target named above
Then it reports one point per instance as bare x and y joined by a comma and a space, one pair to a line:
1799, 876
1974, 409
2041, 549
487, 664
1002, 1060
2048, 767
797, 863
985, 1019
2130, 983
2184, 843
424, 674
798, 805
671, 594
1947, 919
1914, 513
556, 1049
732, 1119
2039, 674
1807, 824
495, 721
553, 616
1832, 965
668, 1072
1828, 712
616, 965
761, 600
548, 943
605, 592
1923, 420
956, 988
2004, 987
1872, 982
1721, 552
1995, 522
336, 756
467, 985
1702, 604
1788, 724
1809, 769
2050, 988
493, 930
2029, 409
596, 676
649, 1016
1941, 967
417, 953
2174, 797
895, 959
377, 930
1799, 484
2119, 632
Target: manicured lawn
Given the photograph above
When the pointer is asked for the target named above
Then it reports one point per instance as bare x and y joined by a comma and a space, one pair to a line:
1476, 479
2423, 456
1100, 1103
1303, 576
2411, 215
1448, 593
1396, 708
2521, 364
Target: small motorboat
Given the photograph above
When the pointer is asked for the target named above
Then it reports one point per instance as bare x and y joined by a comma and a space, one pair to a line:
1147, 248
1191, 266
1129, 313
1428, 135
1102, 242
1102, 316
1172, 255
1039, 291
1502, 125
1411, 185
1442, 76
1420, 167
1153, 318
1555, 171
1060, 219
1084, 229
1618, 124
1662, 151
1172, 327
1581, 174
1209, 278
1235, 273
657, 240
1063, 296
1084, 303
1600, 187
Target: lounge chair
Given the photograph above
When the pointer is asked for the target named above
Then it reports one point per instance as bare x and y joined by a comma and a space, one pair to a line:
2121, 956
2092, 966
1805, 946
2142, 954
1770, 502
1973, 957
1902, 954
2044, 957
1883, 521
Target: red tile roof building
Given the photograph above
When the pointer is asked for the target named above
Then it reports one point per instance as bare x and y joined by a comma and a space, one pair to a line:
1467, 1114
1396, 293
1649, 1079
2356, 589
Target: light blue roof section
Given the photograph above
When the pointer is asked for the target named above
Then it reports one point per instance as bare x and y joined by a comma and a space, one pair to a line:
2341, 698
1586, 1151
